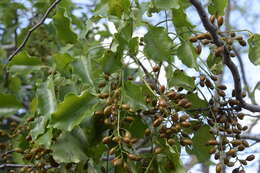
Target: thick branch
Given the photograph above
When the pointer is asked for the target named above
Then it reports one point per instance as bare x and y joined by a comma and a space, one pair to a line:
212, 29
53, 5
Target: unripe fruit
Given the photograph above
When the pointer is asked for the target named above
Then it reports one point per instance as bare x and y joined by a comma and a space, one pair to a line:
186, 124
112, 151
157, 122
103, 95
129, 119
186, 142
242, 42
222, 87
172, 95
218, 168
116, 139
219, 51
212, 142
147, 132
231, 152
133, 157
198, 49
117, 161
212, 150
193, 39
243, 162
162, 102
106, 140
156, 68
171, 141
157, 150
250, 157
102, 84
220, 20
162, 89
108, 110
125, 106
212, 19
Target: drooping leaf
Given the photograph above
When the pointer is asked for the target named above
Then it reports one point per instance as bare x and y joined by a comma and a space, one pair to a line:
180, 79
158, 44
186, 53
45, 139
254, 49
73, 110
63, 26
46, 97
118, 7
68, 149
217, 7
8, 104
39, 126
200, 149
166, 4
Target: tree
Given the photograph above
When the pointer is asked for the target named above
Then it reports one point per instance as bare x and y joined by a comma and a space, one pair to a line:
76, 96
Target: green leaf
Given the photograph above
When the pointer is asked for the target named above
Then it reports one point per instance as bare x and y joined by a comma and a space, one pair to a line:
46, 97
45, 139
23, 62
137, 127
200, 149
23, 59
217, 7
196, 101
158, 44
62, 62
180, 79
133, 46
63, 26
118, 7
167, 4
186, 53
111, 62
181, 23
82, 66
39, 126
73, 110
135, 95
68, 149
9, 104
214, 64
254, 49
180, 18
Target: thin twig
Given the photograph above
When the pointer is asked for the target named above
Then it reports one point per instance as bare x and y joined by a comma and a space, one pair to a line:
212, 29
10, 165
53, 5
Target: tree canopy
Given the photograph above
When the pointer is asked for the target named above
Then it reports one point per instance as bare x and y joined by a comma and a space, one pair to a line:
124, 86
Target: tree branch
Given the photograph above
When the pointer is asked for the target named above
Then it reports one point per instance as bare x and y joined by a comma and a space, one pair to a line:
10, 165
53, 5
212, 29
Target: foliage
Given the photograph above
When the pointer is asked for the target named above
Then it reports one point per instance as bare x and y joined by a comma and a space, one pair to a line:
93, 106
